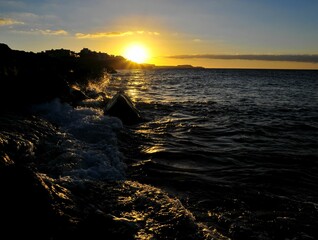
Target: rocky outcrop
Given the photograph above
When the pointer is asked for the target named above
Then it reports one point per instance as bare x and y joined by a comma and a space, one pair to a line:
28, 78
25, 204
37, 203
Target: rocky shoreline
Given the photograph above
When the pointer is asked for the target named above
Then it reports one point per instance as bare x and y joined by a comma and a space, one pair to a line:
35, 202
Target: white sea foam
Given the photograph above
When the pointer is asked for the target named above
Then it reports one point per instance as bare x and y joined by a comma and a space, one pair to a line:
88, 146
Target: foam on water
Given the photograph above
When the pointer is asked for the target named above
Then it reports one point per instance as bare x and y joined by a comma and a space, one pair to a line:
87, 148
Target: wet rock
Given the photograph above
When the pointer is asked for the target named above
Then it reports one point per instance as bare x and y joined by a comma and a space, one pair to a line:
25, 204
99, 225
5, 160
122, 107
75, 96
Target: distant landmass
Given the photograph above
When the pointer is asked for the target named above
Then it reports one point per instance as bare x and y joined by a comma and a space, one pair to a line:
179, 67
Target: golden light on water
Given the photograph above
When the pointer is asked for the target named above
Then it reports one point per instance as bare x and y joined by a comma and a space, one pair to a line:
137, 53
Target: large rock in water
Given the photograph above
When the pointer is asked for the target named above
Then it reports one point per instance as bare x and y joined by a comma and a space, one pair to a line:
122, 107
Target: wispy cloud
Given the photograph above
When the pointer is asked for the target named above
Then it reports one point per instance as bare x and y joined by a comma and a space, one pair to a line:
102, 34
306, 58
147, 32
113, 34
197, 40
9, 21
153, 33
51, 32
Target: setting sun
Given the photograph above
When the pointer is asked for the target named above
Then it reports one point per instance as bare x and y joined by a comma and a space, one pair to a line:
136, 53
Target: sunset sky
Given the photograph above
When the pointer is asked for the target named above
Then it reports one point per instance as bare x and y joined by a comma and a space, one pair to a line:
209, 33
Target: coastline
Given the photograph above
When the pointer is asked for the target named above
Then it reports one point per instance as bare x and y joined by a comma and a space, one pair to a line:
48, 189
43, 205
87, 170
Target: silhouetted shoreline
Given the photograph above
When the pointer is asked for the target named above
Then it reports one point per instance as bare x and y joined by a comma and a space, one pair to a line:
36, 202
28, 78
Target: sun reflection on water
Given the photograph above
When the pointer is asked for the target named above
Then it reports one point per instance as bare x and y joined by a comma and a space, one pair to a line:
153, 149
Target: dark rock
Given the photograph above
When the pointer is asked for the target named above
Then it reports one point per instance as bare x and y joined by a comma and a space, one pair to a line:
4, 49
5, 160
99, 225
122, 107
29, 78
24, 204
75, 96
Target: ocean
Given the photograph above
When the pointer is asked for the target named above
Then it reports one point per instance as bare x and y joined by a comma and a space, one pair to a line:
222, 154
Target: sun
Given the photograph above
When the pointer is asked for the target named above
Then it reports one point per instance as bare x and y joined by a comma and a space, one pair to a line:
136, 53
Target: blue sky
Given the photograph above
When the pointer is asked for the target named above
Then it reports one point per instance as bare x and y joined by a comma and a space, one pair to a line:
170, 28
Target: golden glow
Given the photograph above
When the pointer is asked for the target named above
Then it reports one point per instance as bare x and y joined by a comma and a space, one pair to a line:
136, 53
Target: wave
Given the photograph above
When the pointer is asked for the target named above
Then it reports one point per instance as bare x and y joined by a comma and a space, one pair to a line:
63, 166
88, 144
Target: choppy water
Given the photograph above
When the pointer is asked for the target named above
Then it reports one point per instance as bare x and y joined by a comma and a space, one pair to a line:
240, 147
223, 152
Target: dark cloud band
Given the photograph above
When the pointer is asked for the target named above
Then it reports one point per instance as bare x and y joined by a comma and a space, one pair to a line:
306, 58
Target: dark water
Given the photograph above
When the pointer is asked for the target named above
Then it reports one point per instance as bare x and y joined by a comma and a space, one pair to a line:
224, 154
239, 147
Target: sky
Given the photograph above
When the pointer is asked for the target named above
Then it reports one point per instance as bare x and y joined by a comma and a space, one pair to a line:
209, 33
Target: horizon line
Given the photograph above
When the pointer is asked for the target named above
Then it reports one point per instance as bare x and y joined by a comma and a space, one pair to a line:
304, 58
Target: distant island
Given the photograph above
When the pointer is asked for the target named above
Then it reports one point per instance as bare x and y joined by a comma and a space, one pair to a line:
178, 67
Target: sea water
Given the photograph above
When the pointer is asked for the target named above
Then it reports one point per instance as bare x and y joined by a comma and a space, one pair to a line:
239, 147
235, 150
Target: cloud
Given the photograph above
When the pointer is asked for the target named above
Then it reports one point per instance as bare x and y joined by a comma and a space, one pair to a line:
153, 33
197, 40
306, 58
52, 32
112, 34
149, 33
49, 32
102, 34
9, 21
